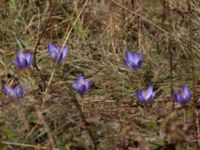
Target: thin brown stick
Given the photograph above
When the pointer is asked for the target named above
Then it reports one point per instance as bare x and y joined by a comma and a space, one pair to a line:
41, 35
171, 74
83, 118
133, 4
139, 24
40, 115
169, 49
198, 126
164, 15
23, 145
192, 62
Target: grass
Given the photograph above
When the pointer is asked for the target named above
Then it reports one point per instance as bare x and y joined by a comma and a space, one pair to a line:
97, 41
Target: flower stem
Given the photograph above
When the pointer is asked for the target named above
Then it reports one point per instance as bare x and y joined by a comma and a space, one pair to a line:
184, 114
140, 78
86, 124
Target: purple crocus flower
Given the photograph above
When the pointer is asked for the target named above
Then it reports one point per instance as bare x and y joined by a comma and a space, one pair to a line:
81, 85
22, 60
145, 96
133, 60
15, 92
183, 96
55, 52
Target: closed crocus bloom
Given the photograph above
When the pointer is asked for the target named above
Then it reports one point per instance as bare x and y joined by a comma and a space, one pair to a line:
55, 51
23, 60
183, 96
15, 92
81, 85
133, 60
145, 96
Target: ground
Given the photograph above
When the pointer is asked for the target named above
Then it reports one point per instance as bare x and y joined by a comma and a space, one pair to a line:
97, 33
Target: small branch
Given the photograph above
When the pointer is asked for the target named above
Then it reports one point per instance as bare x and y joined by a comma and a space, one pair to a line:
41, 35
83, 118
23, 145
198, 127
169, 49
51, 78
193, 65
164, 14
171, 72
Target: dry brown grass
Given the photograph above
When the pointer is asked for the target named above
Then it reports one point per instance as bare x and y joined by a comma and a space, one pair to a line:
97, 43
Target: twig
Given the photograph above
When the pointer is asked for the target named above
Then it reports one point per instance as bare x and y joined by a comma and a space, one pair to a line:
83, 118
23, 145
171, 71
192, 62
169, 49
41, 35
51, 78
139, 24
198, 126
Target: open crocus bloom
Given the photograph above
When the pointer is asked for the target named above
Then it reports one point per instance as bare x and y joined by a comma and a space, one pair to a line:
183, 96
133, 60
56, 51
145, 96
15, 92
81, 85
22, 60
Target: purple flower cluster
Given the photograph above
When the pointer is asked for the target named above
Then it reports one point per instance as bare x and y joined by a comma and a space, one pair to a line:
81, 85
24, 60
146, 96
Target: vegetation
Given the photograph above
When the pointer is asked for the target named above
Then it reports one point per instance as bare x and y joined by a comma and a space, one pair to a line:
75, 86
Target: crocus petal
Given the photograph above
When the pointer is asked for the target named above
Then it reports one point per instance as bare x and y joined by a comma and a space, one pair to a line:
82, 89
18, 91
135, 58
22, 63
140, 97
53, 51
138, 65
81, 85
149, 92
29, 58
149, 99
80, 79
185, 91
128, 64
52, 48
20, 54
8, 91
78, 82
142, 56
179, 97
87, 84
64, 54
25, 88
129, 56
76, 85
